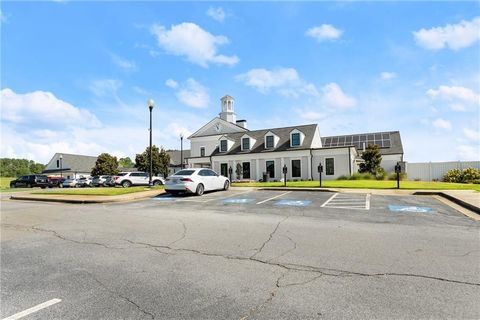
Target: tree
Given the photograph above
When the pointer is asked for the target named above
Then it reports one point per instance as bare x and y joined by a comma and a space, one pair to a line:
372, 158
126, 162
19, 167
239, 171
161, 161
105, 165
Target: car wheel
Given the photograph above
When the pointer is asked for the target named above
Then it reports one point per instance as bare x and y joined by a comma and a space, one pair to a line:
200, 189
226, 186
173, 193
29, 185
157, 183
43, 187
126, 184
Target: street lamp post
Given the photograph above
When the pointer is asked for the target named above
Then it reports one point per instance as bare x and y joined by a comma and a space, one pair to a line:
150, 104
61, 167
181, 150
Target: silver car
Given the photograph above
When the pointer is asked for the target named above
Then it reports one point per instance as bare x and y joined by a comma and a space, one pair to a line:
196, 181
70, 183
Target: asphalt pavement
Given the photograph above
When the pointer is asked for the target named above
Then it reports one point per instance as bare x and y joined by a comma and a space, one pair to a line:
241, 254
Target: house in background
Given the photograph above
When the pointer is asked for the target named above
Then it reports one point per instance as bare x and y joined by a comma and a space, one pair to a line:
70, 165
175, 160
225, 143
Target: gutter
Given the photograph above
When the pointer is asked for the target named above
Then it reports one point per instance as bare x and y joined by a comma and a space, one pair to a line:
350, 160
311, 164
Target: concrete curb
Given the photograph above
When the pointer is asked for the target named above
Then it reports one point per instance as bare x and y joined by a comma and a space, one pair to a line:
456, 200
85, 199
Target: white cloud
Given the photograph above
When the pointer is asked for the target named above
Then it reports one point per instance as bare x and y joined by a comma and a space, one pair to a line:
103, 87
42, 107
216, 14
285, 81
442, 124
456, 36
197, 45
190, 93
334, 96
311, 116
471, 134
459, 98
388, 75
468, 153
171, 83
3, 18
324, 32
123, 63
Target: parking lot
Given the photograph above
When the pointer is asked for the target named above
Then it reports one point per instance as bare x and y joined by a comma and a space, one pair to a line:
241, 254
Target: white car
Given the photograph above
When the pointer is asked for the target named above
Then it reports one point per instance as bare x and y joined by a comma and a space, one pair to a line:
127, 179
70, 183
195, 181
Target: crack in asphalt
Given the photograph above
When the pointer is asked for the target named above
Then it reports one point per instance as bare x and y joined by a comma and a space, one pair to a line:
269, 237
285, 266
151, 315
183, 235
286, 252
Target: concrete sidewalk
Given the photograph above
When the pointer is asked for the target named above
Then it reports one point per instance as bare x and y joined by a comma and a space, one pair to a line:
86, 198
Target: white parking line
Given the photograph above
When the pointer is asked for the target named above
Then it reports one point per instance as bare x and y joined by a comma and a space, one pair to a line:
277, 196
367, 201
33, 309
329, 199
221, 198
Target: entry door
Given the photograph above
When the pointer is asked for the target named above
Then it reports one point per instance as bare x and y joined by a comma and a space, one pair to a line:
224, 169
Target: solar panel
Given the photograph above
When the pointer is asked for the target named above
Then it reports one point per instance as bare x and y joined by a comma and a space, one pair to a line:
381, 139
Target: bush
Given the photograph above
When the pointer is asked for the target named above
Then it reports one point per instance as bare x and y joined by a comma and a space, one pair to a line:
362, 176
453, 175
393, 176
343, 178
380, 174
470, 175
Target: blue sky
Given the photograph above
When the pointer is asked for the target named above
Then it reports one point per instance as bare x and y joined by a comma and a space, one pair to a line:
75, 76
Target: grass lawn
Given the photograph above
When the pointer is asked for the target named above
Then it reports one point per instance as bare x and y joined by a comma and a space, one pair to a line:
97, 191
368, 184
5, 185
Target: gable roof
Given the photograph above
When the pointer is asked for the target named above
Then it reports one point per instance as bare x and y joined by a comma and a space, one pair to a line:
395, 141
74, 162
202, 132
283, 143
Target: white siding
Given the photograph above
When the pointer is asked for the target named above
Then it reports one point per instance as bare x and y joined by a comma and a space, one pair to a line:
389, 161
342, 162
428, 171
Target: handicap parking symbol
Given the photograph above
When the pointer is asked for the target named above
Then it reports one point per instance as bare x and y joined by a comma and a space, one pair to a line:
414, 209
237, 201
163, 198
295, 203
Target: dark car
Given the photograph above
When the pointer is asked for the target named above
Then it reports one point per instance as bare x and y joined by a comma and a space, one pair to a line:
30, 181
55, 182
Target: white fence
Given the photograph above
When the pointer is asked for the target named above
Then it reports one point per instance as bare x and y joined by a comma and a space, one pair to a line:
428, 171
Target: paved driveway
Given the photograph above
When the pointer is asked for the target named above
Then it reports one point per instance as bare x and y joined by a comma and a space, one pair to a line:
241, 254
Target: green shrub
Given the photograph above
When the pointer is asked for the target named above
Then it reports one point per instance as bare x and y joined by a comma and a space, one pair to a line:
343, 177
403, 176
470, 175
380, 174
453, 175
362, 176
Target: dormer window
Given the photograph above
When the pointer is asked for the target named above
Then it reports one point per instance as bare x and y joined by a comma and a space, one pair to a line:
269, 142
223, 145
295, 139
245, 143
202, 151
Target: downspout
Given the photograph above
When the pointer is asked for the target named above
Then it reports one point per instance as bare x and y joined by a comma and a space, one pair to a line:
311, 164
350, 160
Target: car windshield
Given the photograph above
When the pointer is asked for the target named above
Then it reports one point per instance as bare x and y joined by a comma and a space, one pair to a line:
184, 172
122, 174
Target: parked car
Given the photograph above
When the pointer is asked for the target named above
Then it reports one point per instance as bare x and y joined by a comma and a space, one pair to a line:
110, 181
99, 181
127, 179
55, 182
84, 182
30, 181
195, 181
70, 183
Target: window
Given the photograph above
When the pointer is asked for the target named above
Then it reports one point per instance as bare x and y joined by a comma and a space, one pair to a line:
202, 151
184, 172
295, 139
138, 174
269, 142
246, 170
296, 169
224, 169
58, 163
270, 168
211, 173
329, 167
203, 173
245, 143
223, 146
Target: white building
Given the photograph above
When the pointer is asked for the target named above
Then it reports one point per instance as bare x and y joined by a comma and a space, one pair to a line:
225, 143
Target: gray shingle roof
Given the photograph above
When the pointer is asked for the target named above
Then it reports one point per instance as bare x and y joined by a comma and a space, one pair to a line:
258, 135
175, 156
77, 162
395, 142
